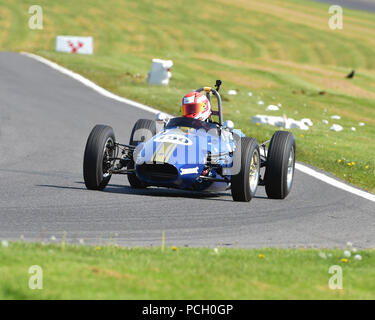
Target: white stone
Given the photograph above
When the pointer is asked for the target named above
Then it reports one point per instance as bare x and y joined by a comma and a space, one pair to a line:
272, 107
160, 72
361, 124
325, 121
307, 121
322, 255
283, 122
260, 102
336, 117
250, 94
353, 129
336, 127
232, 92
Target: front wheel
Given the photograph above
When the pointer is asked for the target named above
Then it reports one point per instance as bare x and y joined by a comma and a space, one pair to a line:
143, 130
97, 161
247, 159
281, 159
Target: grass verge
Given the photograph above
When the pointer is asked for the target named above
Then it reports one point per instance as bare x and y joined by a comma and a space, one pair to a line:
111, 272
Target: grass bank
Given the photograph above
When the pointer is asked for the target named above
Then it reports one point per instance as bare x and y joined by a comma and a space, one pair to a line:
110, 272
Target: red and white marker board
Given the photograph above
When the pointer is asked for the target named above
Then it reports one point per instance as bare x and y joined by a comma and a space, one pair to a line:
73, 44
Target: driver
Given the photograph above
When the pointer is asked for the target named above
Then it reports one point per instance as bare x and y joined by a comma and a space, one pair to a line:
196, 105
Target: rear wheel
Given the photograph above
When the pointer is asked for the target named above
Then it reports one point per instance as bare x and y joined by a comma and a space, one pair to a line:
244, 184
143, 130
281, 160
100, 147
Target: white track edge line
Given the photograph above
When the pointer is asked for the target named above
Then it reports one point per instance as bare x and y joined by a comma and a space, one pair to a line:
317, 175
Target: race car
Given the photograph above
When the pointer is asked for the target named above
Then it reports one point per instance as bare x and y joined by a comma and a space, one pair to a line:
191, 154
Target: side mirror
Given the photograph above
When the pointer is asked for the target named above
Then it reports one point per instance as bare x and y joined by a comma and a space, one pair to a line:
228, 124
161, 117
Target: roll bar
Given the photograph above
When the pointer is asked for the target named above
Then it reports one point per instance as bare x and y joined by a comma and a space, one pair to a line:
215, 92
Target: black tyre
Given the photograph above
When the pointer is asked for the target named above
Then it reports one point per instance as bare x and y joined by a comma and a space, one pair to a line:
99, 148
244, 184
143, 130
281, 160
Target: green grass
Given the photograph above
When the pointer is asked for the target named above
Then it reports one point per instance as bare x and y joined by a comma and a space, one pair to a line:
110, 272
280, 50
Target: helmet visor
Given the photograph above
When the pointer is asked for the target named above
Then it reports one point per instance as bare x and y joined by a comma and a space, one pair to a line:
192, 108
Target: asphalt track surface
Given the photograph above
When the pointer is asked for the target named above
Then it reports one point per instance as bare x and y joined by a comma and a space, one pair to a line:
45, 118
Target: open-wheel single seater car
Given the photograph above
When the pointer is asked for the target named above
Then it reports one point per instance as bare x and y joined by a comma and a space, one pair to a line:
191, 154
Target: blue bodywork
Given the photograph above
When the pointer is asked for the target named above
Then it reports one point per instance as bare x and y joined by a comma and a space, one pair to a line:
183, 151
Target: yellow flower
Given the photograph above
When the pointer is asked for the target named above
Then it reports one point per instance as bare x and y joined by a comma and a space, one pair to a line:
367, 167
339, 161
261, 256
174, 248
353, 163
349, 164
301, 135
344, 260
98, 248
258, 124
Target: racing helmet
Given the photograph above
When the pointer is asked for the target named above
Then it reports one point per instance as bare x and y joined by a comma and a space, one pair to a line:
196, 105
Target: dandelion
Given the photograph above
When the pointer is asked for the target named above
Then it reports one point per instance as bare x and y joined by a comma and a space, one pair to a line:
349, 244
358, 257
339, 161
258, 124
366, 167
354, 250
174, 248
216, 250
53, 238
349, 164
301, 135
81, 241
4, 244
347, 253
353, 163
98, 248
344, 260
261, 256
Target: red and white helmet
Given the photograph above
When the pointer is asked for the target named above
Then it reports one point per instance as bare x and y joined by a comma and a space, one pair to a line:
196, 105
